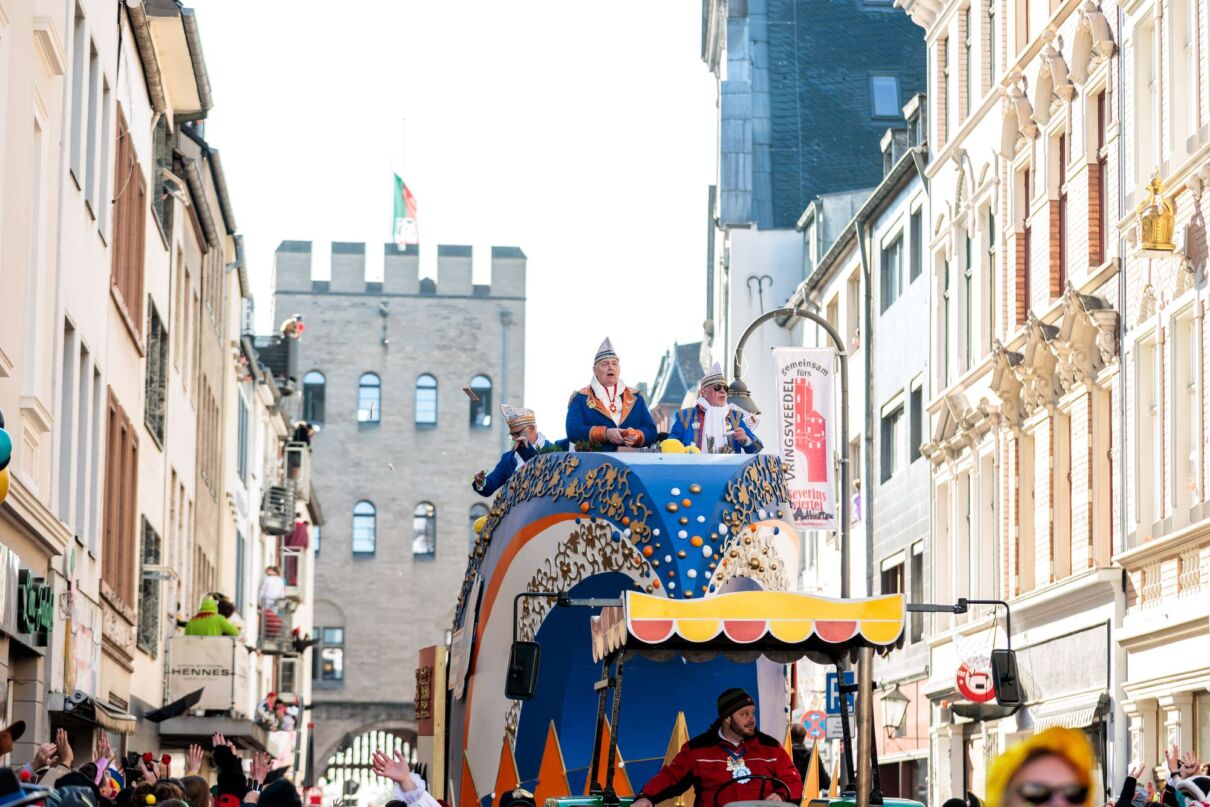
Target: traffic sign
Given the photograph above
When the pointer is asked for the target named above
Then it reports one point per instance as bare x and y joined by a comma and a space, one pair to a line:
835, 728
975, 683
833, 692
816, 723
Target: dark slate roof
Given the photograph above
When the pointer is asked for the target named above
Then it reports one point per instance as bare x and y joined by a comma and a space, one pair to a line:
680, 370
796, 109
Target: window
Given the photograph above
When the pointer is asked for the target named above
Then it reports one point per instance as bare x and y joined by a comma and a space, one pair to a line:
155, 386
314, 386
989, 287
365, 528
916, 581
1201, 724
241, 447
129, 229
1023, 248
315, 531
916, 430
1098, 200
945, 323
944, 45
1184, 91
481, 409
892, 442
91, 114
424, 531
79, 94
884, 93
1146, 100
892, 271
990, 46
892, 576
369, 398
241, 569
331, 655
149, 594
477, 512
1185, 427
968, 298
121, 484
968, 41
104, 195
917, 235
1059, 276
426, 400
162, 203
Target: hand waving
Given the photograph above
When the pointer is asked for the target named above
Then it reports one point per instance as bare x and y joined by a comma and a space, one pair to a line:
66, 755
1189, 764
193, 760
394, 768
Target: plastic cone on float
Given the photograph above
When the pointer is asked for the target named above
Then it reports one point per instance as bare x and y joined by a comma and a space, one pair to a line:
680, 736
621, 782
552, 775
508, 778
810, 786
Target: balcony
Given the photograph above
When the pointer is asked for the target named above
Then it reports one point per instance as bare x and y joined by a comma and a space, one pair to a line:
293, 569
1167, 575
217, 665
277, 510
298, 469
275, 627
279, 356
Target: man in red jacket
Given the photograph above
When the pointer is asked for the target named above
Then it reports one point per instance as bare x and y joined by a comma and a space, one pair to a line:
730, 750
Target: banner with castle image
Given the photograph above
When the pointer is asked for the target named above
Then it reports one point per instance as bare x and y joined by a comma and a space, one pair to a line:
804, 378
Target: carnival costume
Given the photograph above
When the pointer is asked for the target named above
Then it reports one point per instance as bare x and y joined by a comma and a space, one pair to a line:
513, 460
710, 427
595, 408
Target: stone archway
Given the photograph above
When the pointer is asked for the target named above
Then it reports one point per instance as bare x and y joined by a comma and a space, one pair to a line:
355, 730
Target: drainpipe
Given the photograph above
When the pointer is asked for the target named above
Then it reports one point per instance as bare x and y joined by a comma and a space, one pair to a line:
1119, 714
867, 345
506, 320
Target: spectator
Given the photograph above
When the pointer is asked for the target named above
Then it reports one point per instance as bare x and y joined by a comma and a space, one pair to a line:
208, 622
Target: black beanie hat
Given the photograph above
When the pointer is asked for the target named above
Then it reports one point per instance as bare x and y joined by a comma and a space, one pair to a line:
281, 793
732, 701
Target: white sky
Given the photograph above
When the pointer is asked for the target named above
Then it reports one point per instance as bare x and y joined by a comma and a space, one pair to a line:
582, 132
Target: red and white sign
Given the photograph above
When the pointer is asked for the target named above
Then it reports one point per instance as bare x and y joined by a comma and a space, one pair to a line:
816, 723
975, 683
804, 378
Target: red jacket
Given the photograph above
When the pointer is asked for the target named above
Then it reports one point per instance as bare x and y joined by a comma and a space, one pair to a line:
702, 764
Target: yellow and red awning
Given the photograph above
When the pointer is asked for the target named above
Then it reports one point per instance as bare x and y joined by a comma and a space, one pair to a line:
772, 623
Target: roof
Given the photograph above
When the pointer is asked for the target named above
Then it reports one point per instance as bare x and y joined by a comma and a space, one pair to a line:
680, 370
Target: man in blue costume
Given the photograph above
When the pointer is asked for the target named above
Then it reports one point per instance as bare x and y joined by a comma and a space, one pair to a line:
713, 425
607, 414
528, 443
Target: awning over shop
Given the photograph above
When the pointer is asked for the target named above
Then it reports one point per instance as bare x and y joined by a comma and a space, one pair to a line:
1074, 712
741, 624
181, 732
83, 711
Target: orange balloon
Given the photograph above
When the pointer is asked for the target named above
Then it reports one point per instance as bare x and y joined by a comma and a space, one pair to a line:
3, 485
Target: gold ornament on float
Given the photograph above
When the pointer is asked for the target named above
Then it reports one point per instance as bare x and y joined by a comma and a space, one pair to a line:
1157, 218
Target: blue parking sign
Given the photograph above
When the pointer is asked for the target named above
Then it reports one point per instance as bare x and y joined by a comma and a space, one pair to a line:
833, 692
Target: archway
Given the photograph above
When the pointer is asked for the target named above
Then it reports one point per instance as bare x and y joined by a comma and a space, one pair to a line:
348, 772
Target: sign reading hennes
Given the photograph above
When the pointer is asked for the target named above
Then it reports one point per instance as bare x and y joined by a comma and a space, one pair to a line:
804, 378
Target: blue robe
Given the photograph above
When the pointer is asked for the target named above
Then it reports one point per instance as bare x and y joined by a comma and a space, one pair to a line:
509, 464
588, 418
686, 427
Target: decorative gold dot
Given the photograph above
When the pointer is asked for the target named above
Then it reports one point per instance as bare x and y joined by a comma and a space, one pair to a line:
686, 502
672, 507
695, 488
684, 520
680, 554
655, 563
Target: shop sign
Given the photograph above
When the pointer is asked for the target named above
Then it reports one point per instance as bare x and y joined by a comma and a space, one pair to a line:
975, 682
35, 607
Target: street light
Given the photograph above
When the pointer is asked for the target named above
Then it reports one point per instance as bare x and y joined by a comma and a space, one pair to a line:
894, 710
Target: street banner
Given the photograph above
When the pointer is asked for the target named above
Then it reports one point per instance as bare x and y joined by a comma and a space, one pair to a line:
804, 378
406, 230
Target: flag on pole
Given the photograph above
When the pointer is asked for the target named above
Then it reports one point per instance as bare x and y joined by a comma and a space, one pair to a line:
406, 230
810, 786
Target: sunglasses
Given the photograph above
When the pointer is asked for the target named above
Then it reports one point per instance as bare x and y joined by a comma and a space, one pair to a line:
1036, 793
717, 387
517, 434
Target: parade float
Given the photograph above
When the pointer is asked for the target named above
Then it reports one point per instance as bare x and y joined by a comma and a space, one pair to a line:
683, 563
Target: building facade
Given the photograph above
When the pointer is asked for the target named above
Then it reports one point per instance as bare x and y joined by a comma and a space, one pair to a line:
800, 113
385, 368
119, 362
1026, 377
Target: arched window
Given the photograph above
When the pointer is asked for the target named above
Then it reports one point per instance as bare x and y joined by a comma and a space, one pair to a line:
365, 528
481, 410
424, 531
314, 384
477, 512
369, 398
426, 400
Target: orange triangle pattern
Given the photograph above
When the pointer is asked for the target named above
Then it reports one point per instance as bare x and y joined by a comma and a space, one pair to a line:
507, 776
621, 782
552, 775
835, 791
467, 795
680, 736
810, 788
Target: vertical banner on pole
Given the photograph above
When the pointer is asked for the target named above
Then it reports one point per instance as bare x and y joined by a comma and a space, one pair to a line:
805, 378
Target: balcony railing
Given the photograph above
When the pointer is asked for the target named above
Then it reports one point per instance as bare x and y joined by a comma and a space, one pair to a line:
275, 627
218, 665
298, 469
277, 510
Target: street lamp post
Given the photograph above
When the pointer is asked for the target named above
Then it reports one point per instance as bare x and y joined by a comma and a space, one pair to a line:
739, 395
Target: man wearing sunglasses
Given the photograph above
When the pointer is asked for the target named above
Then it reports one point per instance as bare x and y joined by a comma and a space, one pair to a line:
713, 425
1052, 768
528, 443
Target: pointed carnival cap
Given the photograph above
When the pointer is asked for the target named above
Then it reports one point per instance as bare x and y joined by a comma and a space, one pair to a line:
714, 376
605, 351
519, 416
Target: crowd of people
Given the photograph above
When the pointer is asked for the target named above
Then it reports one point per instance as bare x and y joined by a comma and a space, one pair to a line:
609, 416
55, 778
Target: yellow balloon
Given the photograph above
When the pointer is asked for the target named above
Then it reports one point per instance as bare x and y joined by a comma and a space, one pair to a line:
3, 485
477, 526
672, 446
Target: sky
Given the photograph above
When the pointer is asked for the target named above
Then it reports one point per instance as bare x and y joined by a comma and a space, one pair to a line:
583, 133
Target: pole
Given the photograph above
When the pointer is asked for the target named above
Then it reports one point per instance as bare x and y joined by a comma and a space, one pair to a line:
865, 723
843, 355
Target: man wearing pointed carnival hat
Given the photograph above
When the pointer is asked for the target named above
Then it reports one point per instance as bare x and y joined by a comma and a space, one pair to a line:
713, 425
528, 443
607, 414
